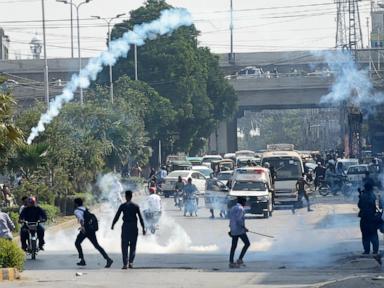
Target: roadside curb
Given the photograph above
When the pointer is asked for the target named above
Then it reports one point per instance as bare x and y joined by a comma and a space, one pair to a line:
9, 274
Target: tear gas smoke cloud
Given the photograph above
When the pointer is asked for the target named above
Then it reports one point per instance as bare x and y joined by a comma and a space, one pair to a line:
351, 83
171, 237
169, 21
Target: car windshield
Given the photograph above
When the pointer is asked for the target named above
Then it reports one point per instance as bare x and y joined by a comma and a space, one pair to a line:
348, 164
249, 186
176, 174
286, 167
224, 176
357, 170
205, 172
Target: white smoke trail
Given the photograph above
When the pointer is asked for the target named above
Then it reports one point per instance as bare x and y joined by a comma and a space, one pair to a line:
351, 83
169, 21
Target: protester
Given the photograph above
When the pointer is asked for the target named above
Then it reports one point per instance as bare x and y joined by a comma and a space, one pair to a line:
32, 213
6, 226
87, 230
319, 174
7, 196
368, 221
153, 201
302, 192
191, 201
129, 230
238, 230
178, 189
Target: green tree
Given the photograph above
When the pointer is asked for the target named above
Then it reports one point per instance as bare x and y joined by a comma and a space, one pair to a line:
186, 75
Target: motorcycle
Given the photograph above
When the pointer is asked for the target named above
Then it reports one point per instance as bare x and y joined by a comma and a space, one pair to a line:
179, 200
151, 219
341, 184
33, 247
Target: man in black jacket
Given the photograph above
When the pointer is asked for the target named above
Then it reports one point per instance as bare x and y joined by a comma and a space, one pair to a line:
32, 213
129, 230
368, 224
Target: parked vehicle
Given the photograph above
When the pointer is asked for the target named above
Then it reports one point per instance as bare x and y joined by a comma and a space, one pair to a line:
198, 178
245, 153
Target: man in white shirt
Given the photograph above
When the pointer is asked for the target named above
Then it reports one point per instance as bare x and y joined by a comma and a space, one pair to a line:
154, 201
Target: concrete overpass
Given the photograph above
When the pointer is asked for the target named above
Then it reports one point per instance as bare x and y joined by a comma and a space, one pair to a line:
275, 93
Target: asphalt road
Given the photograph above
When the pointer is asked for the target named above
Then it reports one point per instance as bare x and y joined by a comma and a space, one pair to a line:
309, 248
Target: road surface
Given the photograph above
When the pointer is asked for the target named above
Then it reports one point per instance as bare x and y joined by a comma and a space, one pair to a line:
310, 249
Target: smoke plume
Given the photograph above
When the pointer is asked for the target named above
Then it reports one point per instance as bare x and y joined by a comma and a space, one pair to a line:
169, 21
352, 85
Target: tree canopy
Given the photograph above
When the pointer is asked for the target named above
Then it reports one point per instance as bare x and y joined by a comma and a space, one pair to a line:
185, 75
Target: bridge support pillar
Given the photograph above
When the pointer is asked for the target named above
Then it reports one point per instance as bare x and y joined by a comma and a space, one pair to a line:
224, 139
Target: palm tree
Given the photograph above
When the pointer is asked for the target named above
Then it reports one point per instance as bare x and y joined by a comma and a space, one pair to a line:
9, 133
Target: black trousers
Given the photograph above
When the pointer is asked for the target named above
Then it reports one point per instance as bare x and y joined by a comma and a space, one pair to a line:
93, 239
369, 236
235, 240
24, 236
300, 195
128, 239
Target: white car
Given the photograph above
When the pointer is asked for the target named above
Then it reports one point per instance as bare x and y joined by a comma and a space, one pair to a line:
170, 181
207, 172
356, 173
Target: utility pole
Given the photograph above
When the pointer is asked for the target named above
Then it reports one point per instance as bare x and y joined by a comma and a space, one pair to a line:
46, 78
71, 28
231, 54
109, 21
136, 76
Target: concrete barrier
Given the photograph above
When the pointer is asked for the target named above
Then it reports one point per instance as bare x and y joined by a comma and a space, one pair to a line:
9, 274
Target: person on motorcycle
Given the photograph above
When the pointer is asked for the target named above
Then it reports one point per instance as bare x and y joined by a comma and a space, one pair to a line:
178, 189
32, 213
319, 174
6, 226
154, 201
189, 191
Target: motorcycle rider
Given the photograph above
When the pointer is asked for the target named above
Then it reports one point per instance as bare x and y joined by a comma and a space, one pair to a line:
178, 189
154, 201
319, 174
32, 213
189, 192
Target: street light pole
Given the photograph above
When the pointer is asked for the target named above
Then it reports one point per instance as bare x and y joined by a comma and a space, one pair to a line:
109, 21
46, 81
78, 37
71, 29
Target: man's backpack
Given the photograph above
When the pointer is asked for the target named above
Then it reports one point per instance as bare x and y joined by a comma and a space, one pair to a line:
91, 223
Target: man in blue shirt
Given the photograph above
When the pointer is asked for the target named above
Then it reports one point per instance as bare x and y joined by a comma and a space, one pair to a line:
238, 230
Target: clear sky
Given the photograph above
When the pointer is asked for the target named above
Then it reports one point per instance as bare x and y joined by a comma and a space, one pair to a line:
260, 25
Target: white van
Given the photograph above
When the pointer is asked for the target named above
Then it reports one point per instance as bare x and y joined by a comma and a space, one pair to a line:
288, 168
255, 185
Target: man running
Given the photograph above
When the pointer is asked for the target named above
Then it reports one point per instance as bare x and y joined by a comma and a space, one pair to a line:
238, 230
80, 212
129, 230
300, 187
